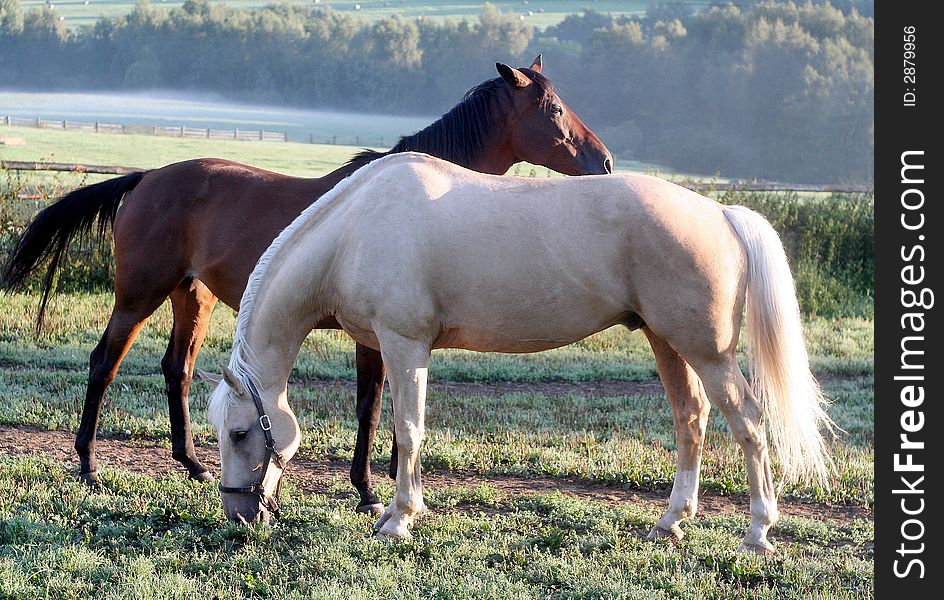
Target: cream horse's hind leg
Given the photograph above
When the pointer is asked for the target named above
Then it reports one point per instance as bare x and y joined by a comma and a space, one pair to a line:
407, 362
690, 410
730, 392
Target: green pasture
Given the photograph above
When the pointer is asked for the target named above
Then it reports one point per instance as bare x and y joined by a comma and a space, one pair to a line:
622, 440
136, 537
168, 538
150, 151
543, 12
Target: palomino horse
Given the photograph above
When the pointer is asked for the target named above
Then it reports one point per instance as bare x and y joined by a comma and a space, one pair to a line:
192, 231
449, 258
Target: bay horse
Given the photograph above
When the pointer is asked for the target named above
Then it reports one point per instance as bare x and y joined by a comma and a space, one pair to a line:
450, 258
193, 230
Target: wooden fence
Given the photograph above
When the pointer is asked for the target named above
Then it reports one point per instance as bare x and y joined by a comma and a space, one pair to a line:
181, 131
698, 186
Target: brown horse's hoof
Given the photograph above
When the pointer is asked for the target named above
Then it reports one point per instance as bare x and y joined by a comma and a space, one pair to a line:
89, 478
661, 533
202, 476
758, 549
375, 510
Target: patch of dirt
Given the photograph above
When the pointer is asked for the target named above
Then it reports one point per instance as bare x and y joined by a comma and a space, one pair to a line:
553, 389
319, 475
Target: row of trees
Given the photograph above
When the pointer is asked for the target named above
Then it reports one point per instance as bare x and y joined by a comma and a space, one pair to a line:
768, 89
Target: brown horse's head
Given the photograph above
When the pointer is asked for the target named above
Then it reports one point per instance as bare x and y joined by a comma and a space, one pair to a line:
508, 119
543, 130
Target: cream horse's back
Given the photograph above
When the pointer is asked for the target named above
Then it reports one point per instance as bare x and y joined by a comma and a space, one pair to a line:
413, 253
579, 257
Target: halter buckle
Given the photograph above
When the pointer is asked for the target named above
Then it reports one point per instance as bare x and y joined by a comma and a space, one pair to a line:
265, 423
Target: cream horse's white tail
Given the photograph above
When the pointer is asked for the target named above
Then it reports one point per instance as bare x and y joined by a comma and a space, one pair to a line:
793, 403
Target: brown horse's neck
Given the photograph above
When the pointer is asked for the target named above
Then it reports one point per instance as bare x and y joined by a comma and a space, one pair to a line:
334, 177
485, 146
497, 162
495, 156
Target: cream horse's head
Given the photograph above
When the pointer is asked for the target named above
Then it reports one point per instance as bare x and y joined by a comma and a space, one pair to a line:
258, 436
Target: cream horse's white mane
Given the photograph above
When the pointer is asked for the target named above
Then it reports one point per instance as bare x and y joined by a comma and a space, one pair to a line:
242, 361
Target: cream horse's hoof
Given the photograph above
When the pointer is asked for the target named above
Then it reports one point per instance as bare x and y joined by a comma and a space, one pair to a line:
764, 548
660, 533
393, 532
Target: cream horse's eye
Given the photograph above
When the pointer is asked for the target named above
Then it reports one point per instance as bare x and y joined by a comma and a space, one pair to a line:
238, 436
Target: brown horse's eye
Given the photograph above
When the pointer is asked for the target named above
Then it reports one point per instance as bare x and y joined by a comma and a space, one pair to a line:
557, 110
238, 436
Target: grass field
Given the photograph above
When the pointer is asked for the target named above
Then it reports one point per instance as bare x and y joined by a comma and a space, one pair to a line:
167, 538
148, 151
542, 12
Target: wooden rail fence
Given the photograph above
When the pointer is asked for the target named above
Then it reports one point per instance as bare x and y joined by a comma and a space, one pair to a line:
698, 186
181, 131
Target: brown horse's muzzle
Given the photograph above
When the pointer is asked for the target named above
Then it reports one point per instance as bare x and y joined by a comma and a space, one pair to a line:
594, 161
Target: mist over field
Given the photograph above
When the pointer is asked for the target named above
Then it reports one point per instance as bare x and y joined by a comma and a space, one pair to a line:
774, 90
201, 110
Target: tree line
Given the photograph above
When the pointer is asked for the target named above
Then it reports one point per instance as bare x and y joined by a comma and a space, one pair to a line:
778, 90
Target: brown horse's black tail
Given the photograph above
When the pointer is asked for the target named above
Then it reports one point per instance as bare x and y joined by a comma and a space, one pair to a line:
51, 232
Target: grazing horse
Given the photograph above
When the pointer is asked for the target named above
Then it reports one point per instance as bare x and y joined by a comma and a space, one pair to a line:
192, 231
449, 258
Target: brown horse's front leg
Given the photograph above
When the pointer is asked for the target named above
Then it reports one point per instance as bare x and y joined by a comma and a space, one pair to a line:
193, 304
370, 385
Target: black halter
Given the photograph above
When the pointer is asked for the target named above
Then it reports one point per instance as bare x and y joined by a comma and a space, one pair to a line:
258, 489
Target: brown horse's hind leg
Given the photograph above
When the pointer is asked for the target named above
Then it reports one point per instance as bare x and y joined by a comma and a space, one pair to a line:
370, 385
193, 304
690, 410
123, 327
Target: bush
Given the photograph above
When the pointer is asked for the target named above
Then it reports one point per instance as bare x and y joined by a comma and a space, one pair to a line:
830, 242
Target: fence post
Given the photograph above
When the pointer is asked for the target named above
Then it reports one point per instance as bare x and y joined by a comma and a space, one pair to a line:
208, 133
334, 139
182, 127
39, 122
236, 134
154, 130
284, 136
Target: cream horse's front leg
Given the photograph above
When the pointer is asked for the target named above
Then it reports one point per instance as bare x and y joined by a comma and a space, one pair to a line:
407, 364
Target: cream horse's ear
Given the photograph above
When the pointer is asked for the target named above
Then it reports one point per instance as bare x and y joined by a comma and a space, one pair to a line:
207, 377
234, 382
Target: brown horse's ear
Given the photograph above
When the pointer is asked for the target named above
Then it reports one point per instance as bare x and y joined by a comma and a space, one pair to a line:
537, 65
201, 375
234, 382
512, 76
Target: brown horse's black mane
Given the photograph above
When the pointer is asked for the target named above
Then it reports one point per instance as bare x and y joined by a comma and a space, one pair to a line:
460, 135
